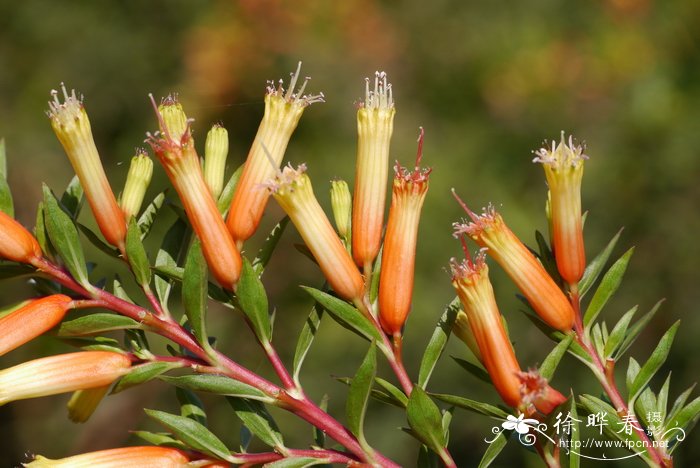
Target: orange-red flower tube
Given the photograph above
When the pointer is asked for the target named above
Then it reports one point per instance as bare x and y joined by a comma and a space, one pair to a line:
375, 125
61, 373
31, 320
16, 243
72, 127
399, 254
283, 109
517, 389
490, 231
292, 190
174, 147
126, 457
563, 167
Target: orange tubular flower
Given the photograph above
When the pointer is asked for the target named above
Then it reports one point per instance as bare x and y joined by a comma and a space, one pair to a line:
490, 231
563, 167
292, 190
72, 127
30, 321
16, 243
174, 147
283, 109
522, 390
375, 124
60, 374
399, 254
126, 457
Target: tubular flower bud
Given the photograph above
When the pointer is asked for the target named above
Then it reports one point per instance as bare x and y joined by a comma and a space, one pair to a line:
283, 109
16, 243
84, 402
292, 190
72, 127
341, 202
215, 153
399, 254
375, 124
137, 181
471, 281
31, 320
174, 147
126, 457
563, 167
490, 231
463, 331
61, 373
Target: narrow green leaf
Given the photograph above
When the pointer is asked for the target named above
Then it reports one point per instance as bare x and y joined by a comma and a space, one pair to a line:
268, 247
227, 193
96, 323
551, 362
687, 417
425, 420
678, 404
258, 420
161, 439
148, 216
632, 372
252, 299
296, 462
64, 237
379, 395
618, 333
547, 257
97, 242
306, 338
392, 390
644, 405
319, 435
143, 373
474, 369
495, 448
136, 254
437, 343
636, 329
41, 234
6, 204
168, 256
191, 406
608, 285
192, 433
574, 457
356, 404
194, 292
217, 384
471, 405
612, 429
662, 398
72, 198
376, 273
119, 291
657, 358
594, 268
345, 314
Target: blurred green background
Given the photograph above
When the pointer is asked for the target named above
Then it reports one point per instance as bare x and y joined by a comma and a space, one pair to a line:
489, 81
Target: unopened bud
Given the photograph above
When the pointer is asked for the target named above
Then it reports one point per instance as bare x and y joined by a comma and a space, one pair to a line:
84, 402
341, 202
16, 243
118, 458
215, 153
137, 181
31, 320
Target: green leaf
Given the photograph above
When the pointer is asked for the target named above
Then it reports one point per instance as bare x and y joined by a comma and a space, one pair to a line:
427, 458
143, 373
574, 457
224, 201
72, 198
356, 404
345, 314
64, 237
612, 429
296, 462
253, 301
471, 405
306, 338
594, 268
217, 384
425, 420
268, 247
437, 343
194, 292
319, 435
148, 216
618, 333
136, 254
495, 447
608, 285
192, 433
6, 204
258, 420
168, 256
547, 257
41, 234
662, 398
636, 329
376, 273
687, 417
657, 358
161, 439
396, 394
474, 369
191, 406
96, 323
97, 242
118, 290
550, 363
678, 404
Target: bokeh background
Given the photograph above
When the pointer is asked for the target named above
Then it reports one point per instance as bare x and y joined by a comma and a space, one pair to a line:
489, 81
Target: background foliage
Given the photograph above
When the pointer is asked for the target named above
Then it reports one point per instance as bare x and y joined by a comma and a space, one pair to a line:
488, 81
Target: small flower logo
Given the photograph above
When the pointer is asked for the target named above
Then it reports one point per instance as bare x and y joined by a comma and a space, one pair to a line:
520, 424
